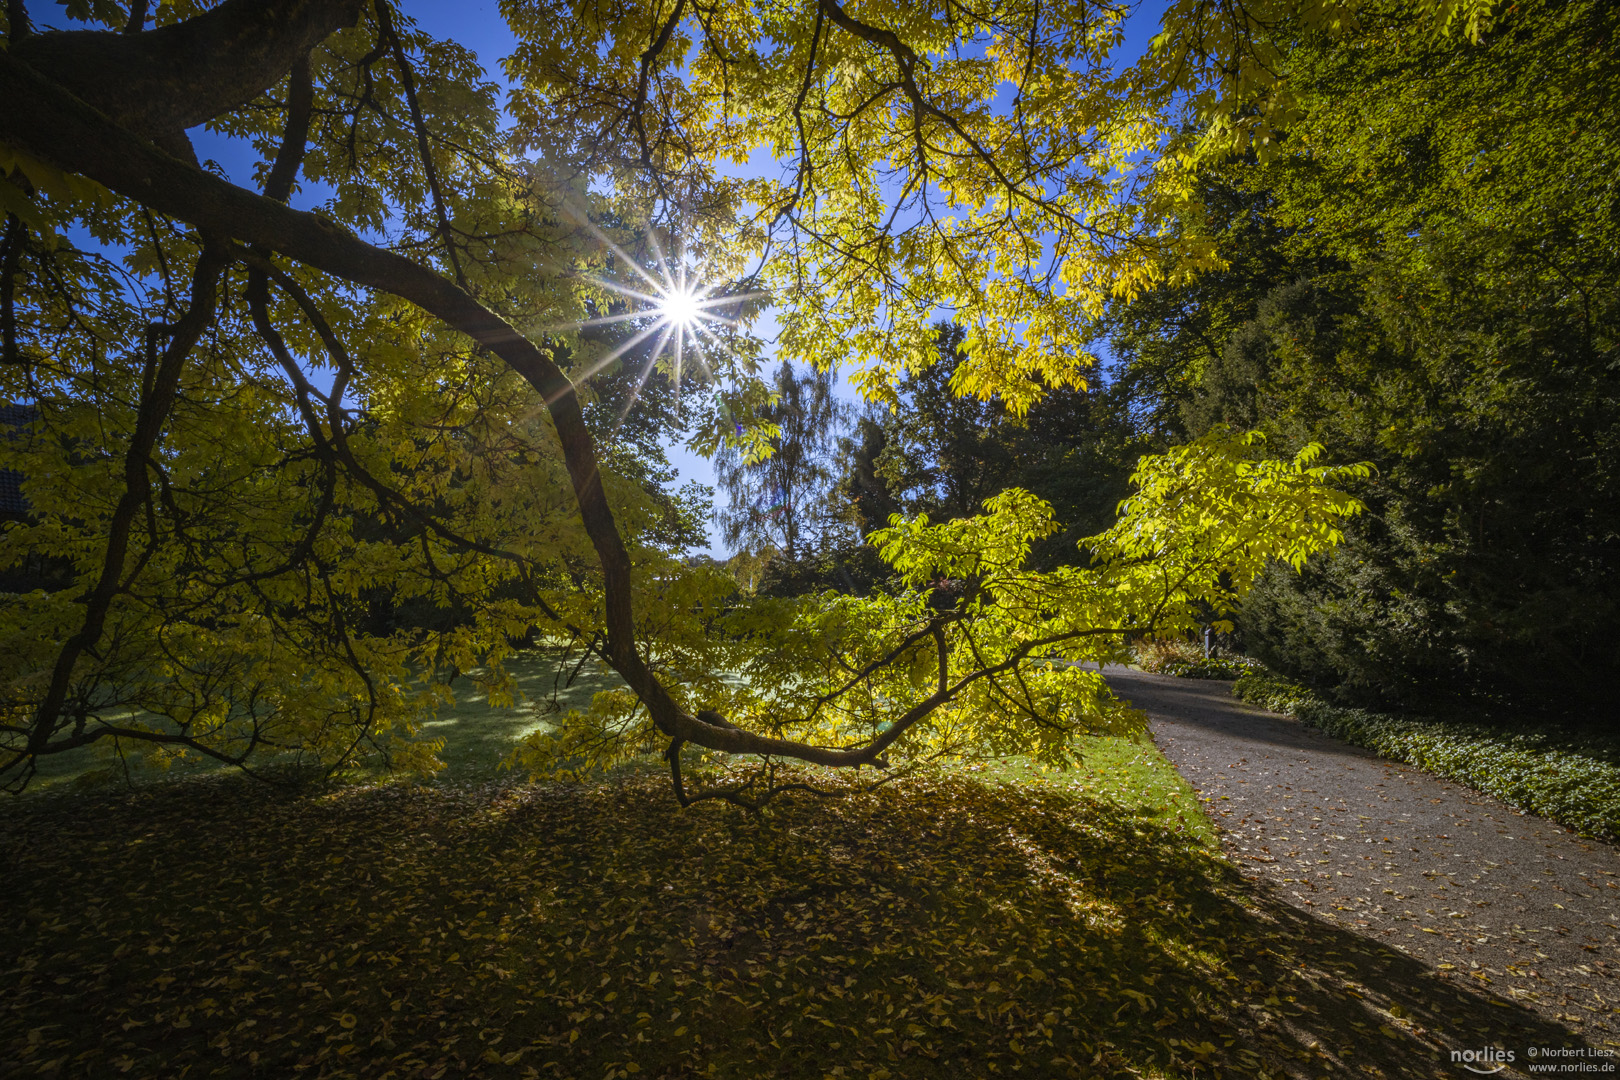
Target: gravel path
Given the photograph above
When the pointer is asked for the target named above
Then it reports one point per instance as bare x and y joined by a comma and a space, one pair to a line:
1481, 895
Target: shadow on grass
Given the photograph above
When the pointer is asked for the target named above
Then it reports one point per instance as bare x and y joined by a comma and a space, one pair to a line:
938, 927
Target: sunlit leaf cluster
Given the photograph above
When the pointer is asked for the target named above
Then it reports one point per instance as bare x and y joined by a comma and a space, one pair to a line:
876, 165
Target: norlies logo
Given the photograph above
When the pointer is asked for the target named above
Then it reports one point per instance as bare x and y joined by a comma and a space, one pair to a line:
1485, 1062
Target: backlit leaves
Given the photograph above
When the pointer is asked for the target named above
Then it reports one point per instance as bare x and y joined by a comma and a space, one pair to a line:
978, 653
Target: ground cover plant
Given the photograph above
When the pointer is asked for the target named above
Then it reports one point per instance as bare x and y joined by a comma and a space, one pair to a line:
1005, 921
1212, 667
1568, 774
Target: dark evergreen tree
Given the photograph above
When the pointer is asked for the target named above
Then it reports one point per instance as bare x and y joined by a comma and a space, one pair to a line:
941, 455
1423, 277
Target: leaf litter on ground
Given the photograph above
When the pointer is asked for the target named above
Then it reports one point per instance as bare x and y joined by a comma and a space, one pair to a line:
955, 923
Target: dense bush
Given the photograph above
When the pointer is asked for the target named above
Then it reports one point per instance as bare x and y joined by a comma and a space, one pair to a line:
1267, 689
1213, 667
1158, 656
1571, 777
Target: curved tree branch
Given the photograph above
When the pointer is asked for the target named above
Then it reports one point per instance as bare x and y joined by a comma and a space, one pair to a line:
52, 124
295, 135
49, 122
387, 33
10, 256
639, 106
161, 382
17, 16
137, 17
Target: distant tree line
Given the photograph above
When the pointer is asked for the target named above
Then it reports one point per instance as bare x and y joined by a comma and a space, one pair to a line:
838, 474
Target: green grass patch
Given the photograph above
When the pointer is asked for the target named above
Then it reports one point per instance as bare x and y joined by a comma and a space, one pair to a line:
1564, 774
479, 736
1130, 775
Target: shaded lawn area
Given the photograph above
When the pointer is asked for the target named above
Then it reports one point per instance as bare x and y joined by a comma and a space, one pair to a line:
477, 735
959, 924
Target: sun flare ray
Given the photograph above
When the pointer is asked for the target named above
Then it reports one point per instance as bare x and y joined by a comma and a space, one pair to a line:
621, 350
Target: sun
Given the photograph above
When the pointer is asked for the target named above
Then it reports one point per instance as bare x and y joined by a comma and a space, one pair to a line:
681, 307
685, 322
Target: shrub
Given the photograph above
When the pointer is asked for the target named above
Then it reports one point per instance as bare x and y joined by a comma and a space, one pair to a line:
1186, 660
1158, 656
1215, 667
1265, 688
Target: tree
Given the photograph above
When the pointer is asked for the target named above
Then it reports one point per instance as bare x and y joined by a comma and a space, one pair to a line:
784, 502
943, 455
198, 455
976, 650
1421, 276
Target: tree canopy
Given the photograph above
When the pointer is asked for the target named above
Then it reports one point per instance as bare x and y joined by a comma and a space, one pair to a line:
250, 420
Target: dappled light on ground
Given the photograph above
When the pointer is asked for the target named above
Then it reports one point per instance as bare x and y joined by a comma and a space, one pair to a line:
937, 927
479, 736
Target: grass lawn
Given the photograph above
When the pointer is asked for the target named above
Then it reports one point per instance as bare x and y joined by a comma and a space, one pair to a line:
969, 922
477, 736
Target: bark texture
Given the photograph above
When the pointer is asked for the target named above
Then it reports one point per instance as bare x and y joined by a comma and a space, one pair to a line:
160, 82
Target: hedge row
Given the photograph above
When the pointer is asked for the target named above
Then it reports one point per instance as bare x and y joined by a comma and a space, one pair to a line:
1568, 777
